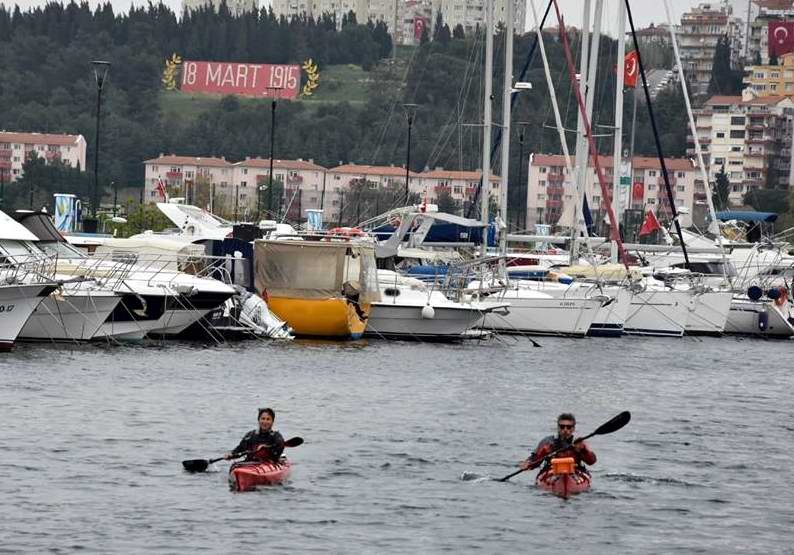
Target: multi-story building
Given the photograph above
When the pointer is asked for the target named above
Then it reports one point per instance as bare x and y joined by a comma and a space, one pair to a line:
768, 11
460, 185
16, 148
303, 184
745, 136
237, 7
768, 80
700, 30
194, 178
550, 186
470, 14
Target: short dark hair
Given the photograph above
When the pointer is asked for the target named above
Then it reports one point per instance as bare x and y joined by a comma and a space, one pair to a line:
268, 410
566, 416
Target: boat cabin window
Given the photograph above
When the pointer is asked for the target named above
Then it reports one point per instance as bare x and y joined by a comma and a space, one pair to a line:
391, 292
709, 268
18, 251
60, 249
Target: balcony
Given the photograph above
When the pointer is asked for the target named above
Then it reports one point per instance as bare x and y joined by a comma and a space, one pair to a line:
442, 189
294, 179
5, 164
552, 204
755, 154
699, 196
759, 139
5, 153
670, 177
53, 155
173, 176
556, 177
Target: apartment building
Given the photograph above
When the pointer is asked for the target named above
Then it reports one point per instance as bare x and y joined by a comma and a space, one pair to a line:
237, 7
700, 30
470, 14
460, 185
16, 148
746, 135
550, 186
768, 80
769, 11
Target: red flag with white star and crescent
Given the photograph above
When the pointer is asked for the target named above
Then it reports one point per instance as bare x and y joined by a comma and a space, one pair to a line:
631, 69
781, 37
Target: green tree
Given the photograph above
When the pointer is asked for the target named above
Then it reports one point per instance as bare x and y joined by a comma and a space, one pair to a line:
724, 80
722, 190
447, 203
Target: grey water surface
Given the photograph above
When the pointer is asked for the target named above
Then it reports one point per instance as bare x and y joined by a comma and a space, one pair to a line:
402, 440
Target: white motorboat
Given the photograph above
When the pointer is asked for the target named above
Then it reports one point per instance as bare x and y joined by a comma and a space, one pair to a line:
760, 318
411, 309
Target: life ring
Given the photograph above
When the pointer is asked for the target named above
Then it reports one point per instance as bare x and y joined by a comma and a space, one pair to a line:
783, 297
345, 233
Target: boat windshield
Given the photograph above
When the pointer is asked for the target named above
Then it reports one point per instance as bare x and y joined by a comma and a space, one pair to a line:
60, 249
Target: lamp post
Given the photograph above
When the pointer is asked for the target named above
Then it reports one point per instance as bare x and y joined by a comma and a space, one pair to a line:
101, 69
410, 112
274, 93
521, 177
115, 197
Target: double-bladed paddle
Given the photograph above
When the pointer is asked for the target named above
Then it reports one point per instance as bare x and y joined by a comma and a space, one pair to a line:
612, 426
200, 465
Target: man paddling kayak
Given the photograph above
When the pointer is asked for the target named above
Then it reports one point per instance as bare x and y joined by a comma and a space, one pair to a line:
581, 453
263, 444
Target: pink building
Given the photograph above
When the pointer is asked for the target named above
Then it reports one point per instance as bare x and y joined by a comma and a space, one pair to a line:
15, 148
550, 187
340, 178
461, 185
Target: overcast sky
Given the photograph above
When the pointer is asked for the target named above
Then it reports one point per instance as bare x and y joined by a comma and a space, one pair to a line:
644, 11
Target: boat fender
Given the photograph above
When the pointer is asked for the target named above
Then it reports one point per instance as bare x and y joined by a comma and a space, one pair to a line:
782, 296
763, 320
428, 313
773, 293
754, 292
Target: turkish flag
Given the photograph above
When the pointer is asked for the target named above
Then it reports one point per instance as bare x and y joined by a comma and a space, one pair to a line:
781, 37
638, 191
631, 69
419, 27
650, 224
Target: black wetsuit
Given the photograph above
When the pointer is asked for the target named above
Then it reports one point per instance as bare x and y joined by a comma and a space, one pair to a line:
254, 439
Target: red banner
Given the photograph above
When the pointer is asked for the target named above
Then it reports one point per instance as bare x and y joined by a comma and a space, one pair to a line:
260, 80
781, 37
638, 191
419, 27
631, 69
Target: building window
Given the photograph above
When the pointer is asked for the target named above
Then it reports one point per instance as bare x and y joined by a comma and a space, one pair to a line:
737, 134
681, 175
720, 135
243, 184
681, 188
543, 169
541, 197
245, 171
736, 149
737, 120
541, 184
652, 173
651, 187
651, 201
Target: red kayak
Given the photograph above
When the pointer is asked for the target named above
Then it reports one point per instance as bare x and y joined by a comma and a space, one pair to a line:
246, 476
563, 479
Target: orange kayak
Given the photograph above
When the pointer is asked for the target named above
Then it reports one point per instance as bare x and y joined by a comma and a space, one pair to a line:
563, 479
246, 476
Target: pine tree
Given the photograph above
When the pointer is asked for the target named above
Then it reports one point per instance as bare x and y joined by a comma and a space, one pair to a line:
721, 190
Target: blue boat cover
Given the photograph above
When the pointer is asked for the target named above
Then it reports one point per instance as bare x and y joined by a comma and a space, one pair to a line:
746, 216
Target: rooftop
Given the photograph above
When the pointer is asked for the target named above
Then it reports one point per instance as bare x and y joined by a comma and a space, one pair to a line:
38, 138
639, 162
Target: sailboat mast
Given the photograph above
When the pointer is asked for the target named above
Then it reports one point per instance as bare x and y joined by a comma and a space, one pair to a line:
581, 141
618, 146
486, 128
506, 111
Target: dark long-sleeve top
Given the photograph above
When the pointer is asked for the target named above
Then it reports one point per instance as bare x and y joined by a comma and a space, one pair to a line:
551, 443
255, 439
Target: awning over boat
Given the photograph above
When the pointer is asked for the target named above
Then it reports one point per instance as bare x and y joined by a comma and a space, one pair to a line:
746, 216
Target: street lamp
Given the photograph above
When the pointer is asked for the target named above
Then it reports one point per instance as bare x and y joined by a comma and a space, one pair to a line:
275, 93
521, 183
101, 69
410, 112
115, 196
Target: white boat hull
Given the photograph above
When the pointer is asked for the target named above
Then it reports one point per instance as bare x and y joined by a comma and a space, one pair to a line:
708, 313
395, 320
658, 313
745, 314
70, 316
611, 318
17, 303
544, 316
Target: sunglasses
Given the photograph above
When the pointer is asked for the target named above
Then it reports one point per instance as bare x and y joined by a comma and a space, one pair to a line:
566, 426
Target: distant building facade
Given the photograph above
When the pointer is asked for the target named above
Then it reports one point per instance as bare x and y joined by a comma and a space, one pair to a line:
550, 187
16, 148
237, 7
768, 11
460, 185
700, 30
749, 137
768, 80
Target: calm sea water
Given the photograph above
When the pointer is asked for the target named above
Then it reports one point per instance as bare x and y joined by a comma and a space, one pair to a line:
401, 439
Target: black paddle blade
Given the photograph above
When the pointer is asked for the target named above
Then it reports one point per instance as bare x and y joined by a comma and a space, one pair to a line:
196, 465
293, 442
613, 425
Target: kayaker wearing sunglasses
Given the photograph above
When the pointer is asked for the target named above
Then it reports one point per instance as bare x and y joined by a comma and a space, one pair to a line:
263, 444
566, 425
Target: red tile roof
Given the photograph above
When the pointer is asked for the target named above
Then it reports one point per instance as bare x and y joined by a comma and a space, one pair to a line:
174, 160
775, 4
458, 175
38, 138
363, 169
279, 164
640, 162
737, 100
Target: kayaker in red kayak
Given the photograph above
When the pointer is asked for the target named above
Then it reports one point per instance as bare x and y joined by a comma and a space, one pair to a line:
566, 425
263, 444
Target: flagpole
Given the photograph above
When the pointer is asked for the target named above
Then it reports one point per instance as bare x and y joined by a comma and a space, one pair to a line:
618, 139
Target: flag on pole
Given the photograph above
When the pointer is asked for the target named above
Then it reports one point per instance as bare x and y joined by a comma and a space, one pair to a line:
161, 189
781, 37
650, 224
631, 69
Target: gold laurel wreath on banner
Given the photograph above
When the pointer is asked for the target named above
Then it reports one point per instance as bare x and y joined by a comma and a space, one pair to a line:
169, 73
313, 74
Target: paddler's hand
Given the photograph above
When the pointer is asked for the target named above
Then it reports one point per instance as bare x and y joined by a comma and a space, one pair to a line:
525, 464
228, 456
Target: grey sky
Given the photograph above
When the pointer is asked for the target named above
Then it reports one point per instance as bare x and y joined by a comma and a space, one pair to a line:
644, 11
